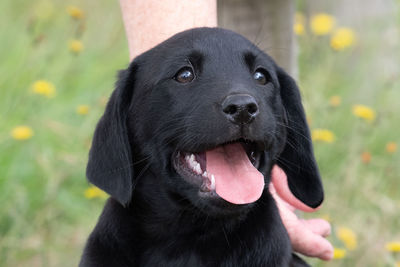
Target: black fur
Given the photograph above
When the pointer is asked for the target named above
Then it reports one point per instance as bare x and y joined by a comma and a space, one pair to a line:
154, 216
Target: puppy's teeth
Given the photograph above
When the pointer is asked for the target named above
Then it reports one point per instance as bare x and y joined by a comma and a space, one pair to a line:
212, 182
187, 158
192, 164
192, 160
204, 174
198, 168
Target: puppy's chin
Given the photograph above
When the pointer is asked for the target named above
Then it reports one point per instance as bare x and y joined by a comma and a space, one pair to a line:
213, 205
209, 204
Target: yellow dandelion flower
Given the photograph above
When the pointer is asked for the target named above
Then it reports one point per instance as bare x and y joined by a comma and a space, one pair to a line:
393, 246
364, 112
322, 24
299, 21
348, 237
366, 157
22, 132
322, 135
391, 147
43, 87
335, 101
339, 253
82, 109
75, 12
298, 29
75, 46
342, 38
95, 192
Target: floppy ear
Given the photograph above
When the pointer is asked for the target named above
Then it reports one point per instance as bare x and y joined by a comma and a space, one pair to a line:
110, 158
297, 158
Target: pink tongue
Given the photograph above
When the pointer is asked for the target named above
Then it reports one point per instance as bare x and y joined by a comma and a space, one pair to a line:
236, 179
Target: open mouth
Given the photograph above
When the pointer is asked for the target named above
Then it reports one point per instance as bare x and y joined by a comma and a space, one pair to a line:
229, 170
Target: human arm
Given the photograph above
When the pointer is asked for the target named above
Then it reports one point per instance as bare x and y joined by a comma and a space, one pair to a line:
148, 23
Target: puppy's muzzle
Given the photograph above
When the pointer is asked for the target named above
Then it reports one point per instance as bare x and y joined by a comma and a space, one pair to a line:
240, 108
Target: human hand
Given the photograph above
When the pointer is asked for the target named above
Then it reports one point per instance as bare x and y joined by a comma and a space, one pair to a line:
307, 236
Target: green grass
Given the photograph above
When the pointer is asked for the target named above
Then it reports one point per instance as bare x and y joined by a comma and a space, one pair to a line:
363, 197
44, 216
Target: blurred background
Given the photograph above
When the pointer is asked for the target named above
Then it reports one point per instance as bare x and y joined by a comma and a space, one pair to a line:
59, 61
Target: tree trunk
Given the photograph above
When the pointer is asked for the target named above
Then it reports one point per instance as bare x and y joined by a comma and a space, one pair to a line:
268, 23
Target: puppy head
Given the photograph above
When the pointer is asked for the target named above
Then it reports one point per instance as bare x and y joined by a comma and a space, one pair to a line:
209, 113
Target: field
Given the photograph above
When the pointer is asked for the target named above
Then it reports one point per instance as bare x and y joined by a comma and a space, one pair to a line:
54, 89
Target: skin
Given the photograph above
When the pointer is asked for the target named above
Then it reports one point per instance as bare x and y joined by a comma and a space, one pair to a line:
307, 236
167, 18
172, 16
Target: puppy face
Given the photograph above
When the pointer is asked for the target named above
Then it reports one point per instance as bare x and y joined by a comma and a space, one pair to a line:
209, 113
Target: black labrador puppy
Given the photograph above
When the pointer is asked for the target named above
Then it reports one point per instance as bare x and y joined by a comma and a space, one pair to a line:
185, 149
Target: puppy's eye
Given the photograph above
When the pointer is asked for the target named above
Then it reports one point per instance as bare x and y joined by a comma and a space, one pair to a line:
184, 75
261, 76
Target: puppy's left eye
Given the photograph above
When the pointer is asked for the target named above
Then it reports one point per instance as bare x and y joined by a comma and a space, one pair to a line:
184, 75
261, 76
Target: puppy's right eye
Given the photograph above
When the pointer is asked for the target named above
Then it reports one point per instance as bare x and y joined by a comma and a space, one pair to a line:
184, 75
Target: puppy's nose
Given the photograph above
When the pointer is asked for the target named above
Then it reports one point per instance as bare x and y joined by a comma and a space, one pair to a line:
240, 108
